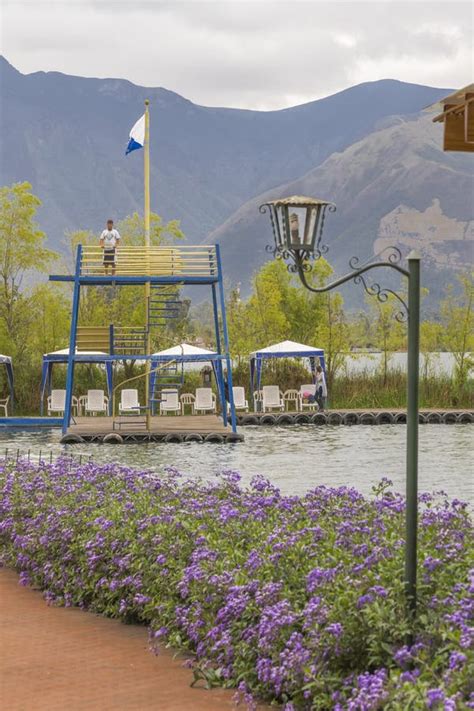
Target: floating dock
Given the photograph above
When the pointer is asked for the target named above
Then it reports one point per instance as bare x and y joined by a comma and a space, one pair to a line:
210, 428
184, 428
355, 417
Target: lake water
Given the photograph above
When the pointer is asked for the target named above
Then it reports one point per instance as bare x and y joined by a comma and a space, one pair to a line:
296, 458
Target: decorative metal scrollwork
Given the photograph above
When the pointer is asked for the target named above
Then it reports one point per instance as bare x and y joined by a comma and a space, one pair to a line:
391, 256
383, 295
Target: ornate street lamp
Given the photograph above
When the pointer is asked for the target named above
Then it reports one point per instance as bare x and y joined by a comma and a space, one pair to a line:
297, 224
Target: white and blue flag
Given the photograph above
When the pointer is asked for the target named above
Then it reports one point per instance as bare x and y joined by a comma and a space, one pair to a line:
136, 136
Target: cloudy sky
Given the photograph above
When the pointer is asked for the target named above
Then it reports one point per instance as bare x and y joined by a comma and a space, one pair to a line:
261, 54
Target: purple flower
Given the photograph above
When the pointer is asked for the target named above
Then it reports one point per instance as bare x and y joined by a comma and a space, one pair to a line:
434, 697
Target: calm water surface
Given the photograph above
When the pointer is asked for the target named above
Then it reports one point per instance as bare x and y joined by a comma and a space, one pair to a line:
296, 458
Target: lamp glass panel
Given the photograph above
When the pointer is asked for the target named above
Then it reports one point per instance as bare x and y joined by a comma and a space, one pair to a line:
297, 226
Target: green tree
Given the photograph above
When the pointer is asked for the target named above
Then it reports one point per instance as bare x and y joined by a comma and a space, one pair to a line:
22, 251
388, 334
333, 334
457, 314
431, 336
267, 320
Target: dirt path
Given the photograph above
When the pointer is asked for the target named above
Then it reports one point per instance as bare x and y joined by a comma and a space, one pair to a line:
58, 659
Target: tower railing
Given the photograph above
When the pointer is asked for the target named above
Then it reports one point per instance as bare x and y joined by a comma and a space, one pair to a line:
188, 260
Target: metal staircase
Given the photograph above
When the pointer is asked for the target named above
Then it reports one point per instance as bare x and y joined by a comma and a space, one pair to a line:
164, 305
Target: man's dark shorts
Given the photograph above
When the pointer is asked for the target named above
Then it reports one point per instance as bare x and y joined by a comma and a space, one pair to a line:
109, 257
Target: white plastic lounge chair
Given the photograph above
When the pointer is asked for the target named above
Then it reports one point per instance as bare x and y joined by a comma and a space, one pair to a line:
308, 388
292, 396
272, 398
257, 398
57, 402
205, 400
187, 399
170, 402
4, 405
95, 402
129, 402
240, 401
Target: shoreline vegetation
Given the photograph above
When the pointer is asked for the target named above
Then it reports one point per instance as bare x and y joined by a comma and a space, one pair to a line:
298, 600
35, 319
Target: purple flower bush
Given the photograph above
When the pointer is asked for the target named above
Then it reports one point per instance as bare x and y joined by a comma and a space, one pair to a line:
299, 600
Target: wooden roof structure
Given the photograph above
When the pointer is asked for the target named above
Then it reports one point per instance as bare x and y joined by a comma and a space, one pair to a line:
458, 118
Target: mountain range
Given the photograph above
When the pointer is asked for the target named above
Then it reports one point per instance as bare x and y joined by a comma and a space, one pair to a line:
367, 148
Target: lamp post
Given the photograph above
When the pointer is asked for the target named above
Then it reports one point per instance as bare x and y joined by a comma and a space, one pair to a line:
297, 224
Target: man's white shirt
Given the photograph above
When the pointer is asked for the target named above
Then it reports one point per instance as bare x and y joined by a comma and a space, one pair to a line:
111, 238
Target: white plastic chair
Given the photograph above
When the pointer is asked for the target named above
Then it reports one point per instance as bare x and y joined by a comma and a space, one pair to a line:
272, 398
187, 399
129, 402
309, 388
205, 400
95, 402
4, 405
170, 402
240, 401
57, 402
292, 396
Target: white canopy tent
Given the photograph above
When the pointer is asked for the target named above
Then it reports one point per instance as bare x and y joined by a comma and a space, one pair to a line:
285, 349
62, 356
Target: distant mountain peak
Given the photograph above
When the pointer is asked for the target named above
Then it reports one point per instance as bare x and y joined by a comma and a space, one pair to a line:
363, 147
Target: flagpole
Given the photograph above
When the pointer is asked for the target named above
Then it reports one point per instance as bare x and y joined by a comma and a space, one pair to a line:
146, 212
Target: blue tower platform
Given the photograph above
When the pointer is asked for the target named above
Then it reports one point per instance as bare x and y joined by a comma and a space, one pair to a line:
164, 269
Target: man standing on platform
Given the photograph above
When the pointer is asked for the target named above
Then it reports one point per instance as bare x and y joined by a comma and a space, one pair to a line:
109, 241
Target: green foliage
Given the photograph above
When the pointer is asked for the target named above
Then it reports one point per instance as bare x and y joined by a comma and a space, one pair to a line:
457, 313
21, 250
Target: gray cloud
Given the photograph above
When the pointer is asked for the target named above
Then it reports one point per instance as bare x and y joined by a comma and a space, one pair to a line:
263, 54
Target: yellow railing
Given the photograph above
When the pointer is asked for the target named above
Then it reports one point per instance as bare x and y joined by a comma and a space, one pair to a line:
184, 261
93, 338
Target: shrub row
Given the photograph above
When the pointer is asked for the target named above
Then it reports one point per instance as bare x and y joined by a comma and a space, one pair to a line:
297, 600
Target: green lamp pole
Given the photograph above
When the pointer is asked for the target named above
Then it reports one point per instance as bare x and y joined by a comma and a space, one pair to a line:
297, 224
413, 377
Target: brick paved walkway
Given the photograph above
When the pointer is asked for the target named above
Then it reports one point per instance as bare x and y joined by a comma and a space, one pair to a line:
59, 659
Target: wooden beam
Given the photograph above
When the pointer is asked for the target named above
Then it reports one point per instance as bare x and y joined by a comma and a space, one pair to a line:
454, 134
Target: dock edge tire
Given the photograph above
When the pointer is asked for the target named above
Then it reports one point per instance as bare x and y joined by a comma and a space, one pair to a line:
421, 418
71, 439
319, 419
384, 418
302, 419
214, 438
335, 418
351, 418
434, 418
113, 438
249, 420
173, 438
268, 420
465, 418
285, 419
194, 437
401, 418
233, 437
449, 418
367, 418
